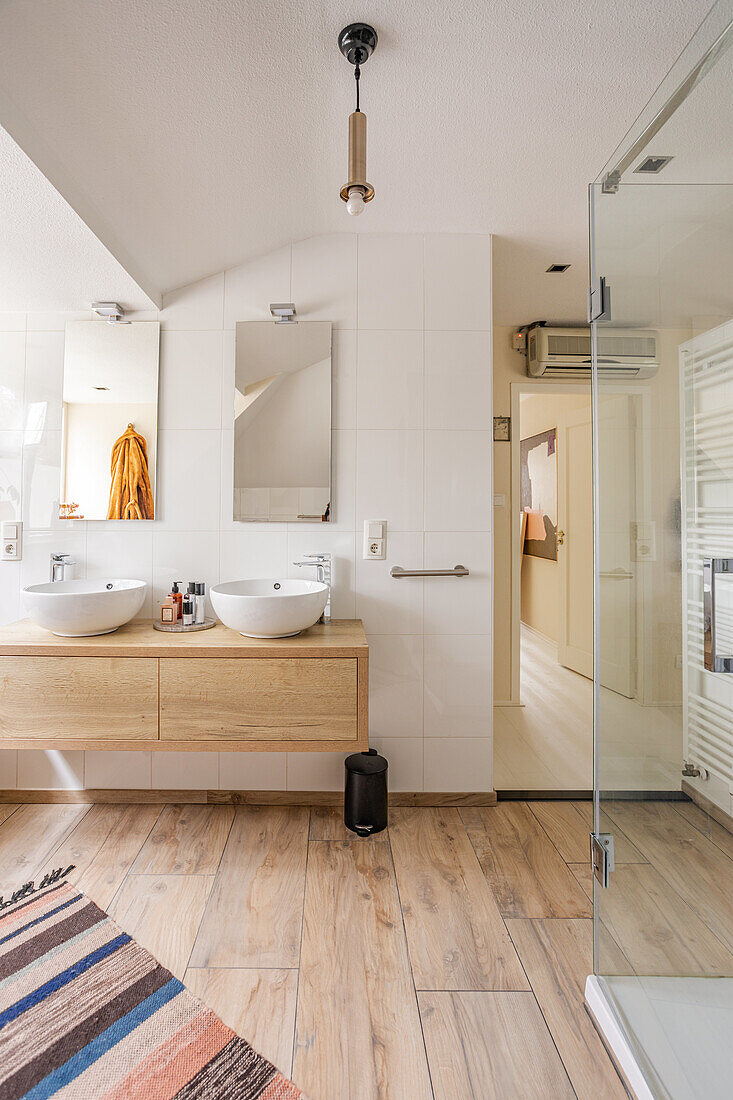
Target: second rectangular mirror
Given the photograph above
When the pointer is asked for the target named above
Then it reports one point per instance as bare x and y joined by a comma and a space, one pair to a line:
282, 422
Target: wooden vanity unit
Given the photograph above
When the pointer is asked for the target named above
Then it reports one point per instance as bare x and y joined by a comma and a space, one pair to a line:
210, 690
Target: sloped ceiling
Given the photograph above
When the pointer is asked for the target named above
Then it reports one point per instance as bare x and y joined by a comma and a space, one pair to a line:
191, 135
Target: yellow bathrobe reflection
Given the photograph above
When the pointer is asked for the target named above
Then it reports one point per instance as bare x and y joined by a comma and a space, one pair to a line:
130, 496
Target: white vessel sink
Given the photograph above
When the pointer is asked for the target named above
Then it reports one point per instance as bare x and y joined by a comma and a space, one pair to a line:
269, 609
81, 609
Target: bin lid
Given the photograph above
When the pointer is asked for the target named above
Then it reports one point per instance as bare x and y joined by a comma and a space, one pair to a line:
366, 763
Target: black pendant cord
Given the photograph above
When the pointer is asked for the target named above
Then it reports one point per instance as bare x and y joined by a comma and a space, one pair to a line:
357, 75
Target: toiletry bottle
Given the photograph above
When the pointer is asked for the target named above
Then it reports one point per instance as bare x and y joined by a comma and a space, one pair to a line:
169, 611
176, 594
187, 612
200, 605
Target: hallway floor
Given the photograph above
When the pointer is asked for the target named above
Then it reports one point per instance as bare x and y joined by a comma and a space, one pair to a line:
444, 959
547, 744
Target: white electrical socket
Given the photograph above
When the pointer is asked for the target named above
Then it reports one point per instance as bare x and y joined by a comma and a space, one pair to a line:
11, 546
375, 539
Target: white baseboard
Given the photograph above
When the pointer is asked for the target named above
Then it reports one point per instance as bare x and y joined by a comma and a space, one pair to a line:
617, 1043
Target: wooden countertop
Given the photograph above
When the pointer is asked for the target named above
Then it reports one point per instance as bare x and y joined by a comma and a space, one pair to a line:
340, 638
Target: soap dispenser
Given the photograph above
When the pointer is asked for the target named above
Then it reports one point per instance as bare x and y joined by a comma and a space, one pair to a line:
176, 595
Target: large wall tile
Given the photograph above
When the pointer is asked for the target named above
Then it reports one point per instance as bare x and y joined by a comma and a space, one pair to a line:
457, 281
316, 771
324, 279
343, 373
197, 306
458, 481
51, 770
390, 379
386, 605
11, 474
395, 685
190, 379
250, 288
185, 771
457, 686
404, 757
42, 479
458, 380
343, 480
389, 478
390, 280
13, 322
12, 380
38, 545
458, 605
184, 556
10, 609
122, 550
252, 552
113, 770
457, 764
252, 771
189, 464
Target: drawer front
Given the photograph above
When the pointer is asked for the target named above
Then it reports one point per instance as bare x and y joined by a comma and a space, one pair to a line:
258, 699
79, 698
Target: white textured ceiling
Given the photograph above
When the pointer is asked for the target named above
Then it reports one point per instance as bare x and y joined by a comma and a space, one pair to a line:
194, 134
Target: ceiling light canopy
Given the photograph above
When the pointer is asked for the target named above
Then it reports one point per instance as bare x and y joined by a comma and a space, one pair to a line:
357, 43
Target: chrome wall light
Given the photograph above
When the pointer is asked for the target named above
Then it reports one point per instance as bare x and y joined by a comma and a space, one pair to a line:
357, 43
284, 313
112, 312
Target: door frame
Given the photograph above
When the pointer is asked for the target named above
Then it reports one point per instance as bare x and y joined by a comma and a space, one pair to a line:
556, 389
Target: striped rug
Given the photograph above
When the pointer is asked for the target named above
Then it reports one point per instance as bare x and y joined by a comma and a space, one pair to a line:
87, 1014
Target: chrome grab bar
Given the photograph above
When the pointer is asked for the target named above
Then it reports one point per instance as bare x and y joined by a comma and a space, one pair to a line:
457, 571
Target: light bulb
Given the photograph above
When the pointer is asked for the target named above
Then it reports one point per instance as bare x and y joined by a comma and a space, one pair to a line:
355, 201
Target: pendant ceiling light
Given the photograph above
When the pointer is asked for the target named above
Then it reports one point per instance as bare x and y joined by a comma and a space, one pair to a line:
357, 43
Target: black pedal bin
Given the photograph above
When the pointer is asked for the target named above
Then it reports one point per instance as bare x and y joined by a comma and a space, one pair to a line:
365, 796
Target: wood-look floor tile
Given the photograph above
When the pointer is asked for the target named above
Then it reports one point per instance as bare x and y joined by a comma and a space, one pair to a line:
85, 840
584, 875
27, 839
6, 809
358, 1033
566, 828
698, 870
558, 957
163, 913
455, 933
327, 823
254, 915
492, 1046
258, 1004
716, 833
103, 876
186, 840
523, 868
656, 930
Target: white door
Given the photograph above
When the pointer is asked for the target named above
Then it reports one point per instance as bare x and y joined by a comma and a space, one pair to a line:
575, 541
617, 511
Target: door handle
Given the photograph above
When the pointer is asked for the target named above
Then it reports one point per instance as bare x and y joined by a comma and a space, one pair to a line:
560, 538
711, 568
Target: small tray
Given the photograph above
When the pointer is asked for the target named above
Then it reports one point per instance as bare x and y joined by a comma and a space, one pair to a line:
179, 628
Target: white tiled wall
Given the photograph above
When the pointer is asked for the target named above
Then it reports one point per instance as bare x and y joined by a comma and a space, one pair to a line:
412, 445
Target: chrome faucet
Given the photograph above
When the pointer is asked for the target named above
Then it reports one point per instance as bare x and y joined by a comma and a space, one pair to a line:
322, 563
59, 564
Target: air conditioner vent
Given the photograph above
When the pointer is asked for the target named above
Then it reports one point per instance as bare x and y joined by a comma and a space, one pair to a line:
567, 352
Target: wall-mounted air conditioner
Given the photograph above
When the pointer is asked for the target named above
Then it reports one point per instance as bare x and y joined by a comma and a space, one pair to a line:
566, 352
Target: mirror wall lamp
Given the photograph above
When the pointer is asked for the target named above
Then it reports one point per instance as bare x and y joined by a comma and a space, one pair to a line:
357, 43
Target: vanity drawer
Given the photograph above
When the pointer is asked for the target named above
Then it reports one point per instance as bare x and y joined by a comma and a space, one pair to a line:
258, 699
81, 699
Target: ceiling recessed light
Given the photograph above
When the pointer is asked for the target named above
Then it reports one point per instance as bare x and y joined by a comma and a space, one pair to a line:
651, 165
557, 269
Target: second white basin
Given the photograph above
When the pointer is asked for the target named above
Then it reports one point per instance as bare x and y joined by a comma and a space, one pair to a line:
269, 608
81, 609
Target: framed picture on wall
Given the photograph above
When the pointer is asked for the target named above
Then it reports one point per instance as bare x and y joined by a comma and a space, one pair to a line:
538, 493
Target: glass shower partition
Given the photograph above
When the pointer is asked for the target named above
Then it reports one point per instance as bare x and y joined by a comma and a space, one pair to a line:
662, 298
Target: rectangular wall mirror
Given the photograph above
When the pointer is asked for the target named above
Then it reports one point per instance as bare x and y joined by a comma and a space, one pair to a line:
282, 422
110, 420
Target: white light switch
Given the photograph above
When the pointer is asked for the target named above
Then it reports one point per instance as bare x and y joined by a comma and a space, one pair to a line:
11, 547
375, 538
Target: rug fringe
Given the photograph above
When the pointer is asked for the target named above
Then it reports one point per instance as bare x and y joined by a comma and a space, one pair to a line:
29, 888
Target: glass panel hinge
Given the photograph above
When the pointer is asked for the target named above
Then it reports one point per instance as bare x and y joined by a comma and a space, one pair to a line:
601, 856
